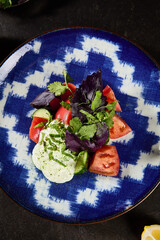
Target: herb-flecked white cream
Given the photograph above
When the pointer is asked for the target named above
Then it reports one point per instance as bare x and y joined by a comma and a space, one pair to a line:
51, 156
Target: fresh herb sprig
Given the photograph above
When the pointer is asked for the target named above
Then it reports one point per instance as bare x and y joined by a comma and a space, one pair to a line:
5, 3
108, 114
96, 101
59, 88
88, 129
65, 105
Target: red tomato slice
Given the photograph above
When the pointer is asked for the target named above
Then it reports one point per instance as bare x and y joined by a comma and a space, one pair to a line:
109, 94
66, 95
64, 114
105, 161
120, 128
34, 132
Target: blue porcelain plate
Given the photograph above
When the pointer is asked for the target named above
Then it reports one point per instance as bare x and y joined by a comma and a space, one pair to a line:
135, 79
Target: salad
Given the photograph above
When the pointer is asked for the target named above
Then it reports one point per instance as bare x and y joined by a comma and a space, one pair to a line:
72, 128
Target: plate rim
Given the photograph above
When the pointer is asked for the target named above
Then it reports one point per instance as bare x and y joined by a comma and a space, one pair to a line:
82, 27
83, 222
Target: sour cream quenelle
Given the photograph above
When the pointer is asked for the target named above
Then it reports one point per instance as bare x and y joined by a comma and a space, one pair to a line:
51, 156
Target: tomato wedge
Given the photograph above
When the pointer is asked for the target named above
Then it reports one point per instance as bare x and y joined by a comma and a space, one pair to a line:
65, 96
120, 128
35, 132
64, 114
109, 94
105, 161
55, 104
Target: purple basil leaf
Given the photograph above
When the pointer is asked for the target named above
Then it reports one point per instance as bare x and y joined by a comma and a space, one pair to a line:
101, 134
43, 100
74, 143
85, 94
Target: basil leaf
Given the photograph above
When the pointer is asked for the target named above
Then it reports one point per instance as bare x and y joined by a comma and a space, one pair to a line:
89, 116
96, 101
65, 105
75, 124
112, 105
87, 131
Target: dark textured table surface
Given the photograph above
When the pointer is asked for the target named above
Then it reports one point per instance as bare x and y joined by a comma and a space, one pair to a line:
137, 20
